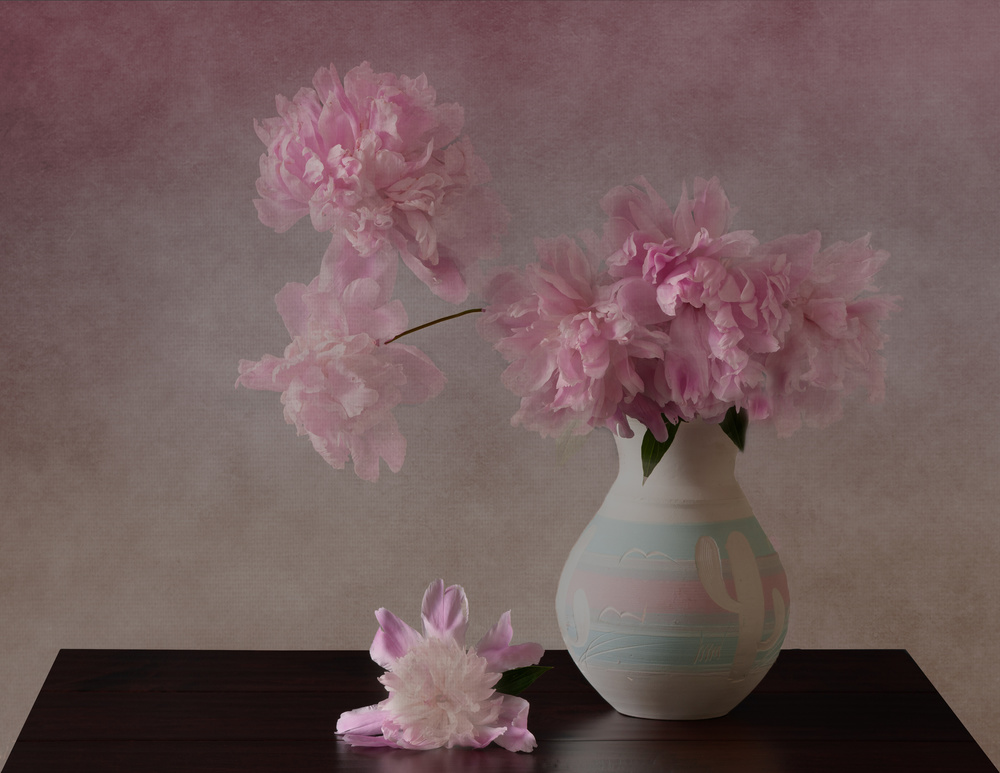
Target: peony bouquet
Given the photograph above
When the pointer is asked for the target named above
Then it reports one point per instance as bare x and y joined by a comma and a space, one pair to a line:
666, 315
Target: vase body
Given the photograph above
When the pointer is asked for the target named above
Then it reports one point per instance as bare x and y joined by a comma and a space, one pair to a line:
673, 603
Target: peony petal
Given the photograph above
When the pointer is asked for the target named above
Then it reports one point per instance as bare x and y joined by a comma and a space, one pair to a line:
514, 713
343, 264
381, 441
279, 215
710, 208
445, 612
486, 735
495, 648
650, 415
292, 308
355, 739
393, 639
332, 447
637, 299
327, 83
262, 375
443, 279
424, 380
364, 721
830, 314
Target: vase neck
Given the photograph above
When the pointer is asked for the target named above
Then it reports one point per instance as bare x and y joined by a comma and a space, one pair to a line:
700, 465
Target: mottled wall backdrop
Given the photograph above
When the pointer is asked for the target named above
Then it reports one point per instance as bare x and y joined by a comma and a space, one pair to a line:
147, 503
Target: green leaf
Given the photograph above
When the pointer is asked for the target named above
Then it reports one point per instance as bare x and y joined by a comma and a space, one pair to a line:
735, 425
513, 682
653, 450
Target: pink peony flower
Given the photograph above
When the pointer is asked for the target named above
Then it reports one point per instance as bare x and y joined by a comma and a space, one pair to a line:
831, 349
441, 694
572, 348
339, 379
375, 158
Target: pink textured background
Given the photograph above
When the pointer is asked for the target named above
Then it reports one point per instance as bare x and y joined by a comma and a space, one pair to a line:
146, 503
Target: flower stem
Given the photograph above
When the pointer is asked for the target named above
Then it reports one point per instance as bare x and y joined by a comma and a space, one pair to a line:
434, 322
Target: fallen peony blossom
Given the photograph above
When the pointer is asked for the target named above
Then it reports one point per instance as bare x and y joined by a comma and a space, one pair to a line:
440, 693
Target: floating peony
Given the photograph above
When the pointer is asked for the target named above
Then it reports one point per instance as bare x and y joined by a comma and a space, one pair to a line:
442, 694
376, 159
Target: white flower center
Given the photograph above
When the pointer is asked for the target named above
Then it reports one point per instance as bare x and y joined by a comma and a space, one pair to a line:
441, 695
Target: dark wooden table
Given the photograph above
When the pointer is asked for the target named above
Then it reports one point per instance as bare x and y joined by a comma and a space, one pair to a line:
248, 711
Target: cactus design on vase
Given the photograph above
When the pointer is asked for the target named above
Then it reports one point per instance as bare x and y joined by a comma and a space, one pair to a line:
673, 602
749, 601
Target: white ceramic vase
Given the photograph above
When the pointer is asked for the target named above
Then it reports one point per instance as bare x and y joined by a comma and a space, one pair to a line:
673, 603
